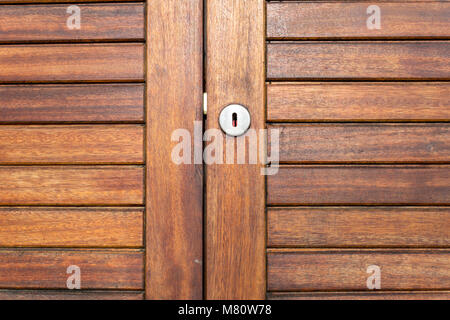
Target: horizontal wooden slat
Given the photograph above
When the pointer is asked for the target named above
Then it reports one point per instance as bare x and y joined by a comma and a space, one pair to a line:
307, 270
359, 227
72, 103
69, 295
376, 295
71, 227
71, 144
349, 20
358, 101
364, 142
68, 185
47, 269
412, 60
379, 1
50, 1
72, 62
329, 185
49, 22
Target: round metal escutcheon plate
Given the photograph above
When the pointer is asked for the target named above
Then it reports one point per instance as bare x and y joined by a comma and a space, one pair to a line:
234, 120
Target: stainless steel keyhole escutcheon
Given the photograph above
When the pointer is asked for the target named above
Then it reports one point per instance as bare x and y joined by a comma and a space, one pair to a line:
234, 120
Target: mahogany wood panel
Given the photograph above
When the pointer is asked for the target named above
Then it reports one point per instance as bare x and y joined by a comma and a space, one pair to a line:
317, 0
376, 295
72, 62
412, 60
62, 185
47, 269
349, 20
235, 204
71, 144
360, 184
359, 227
71, 227
69, 295
50, 1
305, 270
364, 142
72, 103
358, 101
49, 22
174, 192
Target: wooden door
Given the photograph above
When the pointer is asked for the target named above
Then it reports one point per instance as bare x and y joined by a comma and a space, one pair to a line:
359, 94
340, 189
91, 205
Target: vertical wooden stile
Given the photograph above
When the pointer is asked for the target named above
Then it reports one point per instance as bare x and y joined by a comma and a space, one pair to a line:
235, 193
174, 201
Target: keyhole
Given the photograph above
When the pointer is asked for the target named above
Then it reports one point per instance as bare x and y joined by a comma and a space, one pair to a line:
234, 119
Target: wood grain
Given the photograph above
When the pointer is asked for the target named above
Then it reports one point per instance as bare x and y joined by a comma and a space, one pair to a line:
71, 227
411, 60
174, 192
306, 270
72, 62
69, 295
358, 101
329, 185
72, 103
359, 227
47, 269
61, 185
63, 1
72, 144
49, 22
315, 20
235, 204
377, 295
364, 142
